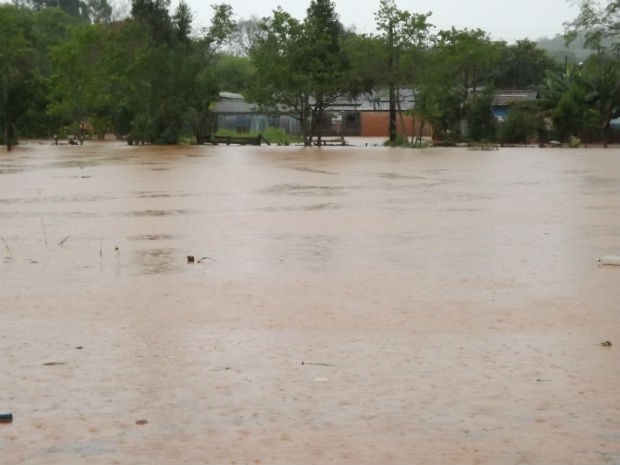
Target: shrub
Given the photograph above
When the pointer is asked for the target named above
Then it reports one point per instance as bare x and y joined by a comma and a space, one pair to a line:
574, 142
520, 125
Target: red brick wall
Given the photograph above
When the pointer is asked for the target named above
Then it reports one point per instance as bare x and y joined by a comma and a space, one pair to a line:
376, 124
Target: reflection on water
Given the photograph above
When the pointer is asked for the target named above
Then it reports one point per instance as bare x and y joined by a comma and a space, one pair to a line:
151, 237
157, 261
310, 207
295, 189
158, 213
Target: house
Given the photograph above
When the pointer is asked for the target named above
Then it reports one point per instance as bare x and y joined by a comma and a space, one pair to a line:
504, 99
366, 115
233, 113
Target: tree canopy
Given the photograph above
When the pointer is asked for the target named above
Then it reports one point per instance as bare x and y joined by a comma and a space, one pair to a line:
149, 76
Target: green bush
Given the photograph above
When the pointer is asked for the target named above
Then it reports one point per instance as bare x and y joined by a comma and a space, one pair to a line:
276, 136
481, 123
574, 142
520, 125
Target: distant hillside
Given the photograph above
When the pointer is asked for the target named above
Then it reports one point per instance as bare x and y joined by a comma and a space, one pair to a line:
556, 47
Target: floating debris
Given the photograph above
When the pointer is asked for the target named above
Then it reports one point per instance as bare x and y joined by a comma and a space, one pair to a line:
141, 422
53, 364
7, 247
606, 344
44, 231
609, 260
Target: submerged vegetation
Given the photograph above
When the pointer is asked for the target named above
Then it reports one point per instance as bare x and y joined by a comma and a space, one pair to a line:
148, 76
275, 136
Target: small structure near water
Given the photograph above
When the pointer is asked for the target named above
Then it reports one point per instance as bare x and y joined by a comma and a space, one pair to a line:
237, 140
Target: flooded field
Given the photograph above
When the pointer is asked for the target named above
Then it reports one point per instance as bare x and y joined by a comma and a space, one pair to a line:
354, 305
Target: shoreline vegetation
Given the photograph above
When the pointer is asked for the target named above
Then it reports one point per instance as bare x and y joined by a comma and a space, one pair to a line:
146, 76
355, 141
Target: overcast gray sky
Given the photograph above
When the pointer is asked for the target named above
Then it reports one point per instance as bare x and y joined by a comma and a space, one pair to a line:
508, 20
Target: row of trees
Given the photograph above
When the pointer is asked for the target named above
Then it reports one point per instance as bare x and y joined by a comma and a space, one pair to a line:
149, 77
146, 77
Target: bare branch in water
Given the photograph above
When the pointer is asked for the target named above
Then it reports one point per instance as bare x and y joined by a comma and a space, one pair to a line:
7, 248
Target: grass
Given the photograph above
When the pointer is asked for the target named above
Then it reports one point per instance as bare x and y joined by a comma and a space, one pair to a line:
275, 136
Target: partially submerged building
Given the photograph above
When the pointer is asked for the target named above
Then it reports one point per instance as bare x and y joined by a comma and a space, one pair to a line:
366, 115
504, 99
233, 113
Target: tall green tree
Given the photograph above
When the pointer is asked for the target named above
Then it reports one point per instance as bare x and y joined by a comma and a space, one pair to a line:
521, 65
301, 66
325, 58
205, 79
76, 8
470, 54
601, 80
457, 79
400, 31
281, 82
601, 73
563, 99
16, 67
234, 73
363, 51
80, 82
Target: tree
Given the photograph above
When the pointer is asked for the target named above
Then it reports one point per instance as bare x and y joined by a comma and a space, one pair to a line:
481, 123
245, 36
399, 30
153, 17
325, 58
222, 26
281, 83
470, 54
204, 79
78, 90
99, 11
234, 73
301, 66
460, 64
76, 8
362, 51
521, 124
521, 65
601, 80
16, 67
182, 21
601, 74
600, 24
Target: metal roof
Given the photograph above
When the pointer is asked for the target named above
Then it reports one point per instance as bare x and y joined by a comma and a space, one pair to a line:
378, 100
508, 97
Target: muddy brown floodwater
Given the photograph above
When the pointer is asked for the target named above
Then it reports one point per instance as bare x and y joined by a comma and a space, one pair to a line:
354, 305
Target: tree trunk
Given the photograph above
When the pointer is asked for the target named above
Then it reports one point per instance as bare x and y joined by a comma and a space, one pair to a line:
392, 113
403, 126
8, 133
7, 119
422, 123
